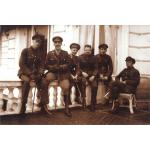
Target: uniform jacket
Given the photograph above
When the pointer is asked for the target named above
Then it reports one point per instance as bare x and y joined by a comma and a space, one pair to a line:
131, 76
32, 61
59, 64
88, 64
74, 64
105, 66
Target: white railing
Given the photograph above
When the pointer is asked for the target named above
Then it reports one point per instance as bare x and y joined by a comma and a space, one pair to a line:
11, 92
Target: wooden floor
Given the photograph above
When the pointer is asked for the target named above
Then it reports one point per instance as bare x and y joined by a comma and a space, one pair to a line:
102, 116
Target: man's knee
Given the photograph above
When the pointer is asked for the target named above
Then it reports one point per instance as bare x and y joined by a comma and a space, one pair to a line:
50, 76
65, 85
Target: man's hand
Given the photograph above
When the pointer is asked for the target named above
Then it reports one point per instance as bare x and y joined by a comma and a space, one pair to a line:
85, 74
32, 77
105, 78
102, 77
35, 77
75, 77
91, 78
41, 71
123, 82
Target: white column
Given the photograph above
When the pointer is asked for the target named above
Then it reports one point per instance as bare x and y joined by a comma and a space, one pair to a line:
1, 99
10, 97
55, 96
21, 43
73, 95
19, 99
97, 39
29, 101
88, 95
59, 97
48, 38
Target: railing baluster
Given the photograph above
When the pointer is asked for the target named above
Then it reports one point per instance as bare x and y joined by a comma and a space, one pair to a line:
10, 101
29, 103
73, 95
19, 99
88, 95
55, 96
61, 98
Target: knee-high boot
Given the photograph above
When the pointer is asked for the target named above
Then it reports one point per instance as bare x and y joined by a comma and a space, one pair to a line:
25, 92
93, 98
67, 111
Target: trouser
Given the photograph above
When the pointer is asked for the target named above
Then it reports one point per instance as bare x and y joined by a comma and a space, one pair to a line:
63, 83
25, 93
117, 87
78, 94
94, 86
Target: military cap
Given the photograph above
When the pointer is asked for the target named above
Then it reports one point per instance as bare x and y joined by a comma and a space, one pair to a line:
105, 46
87, 45
75, 45
38, 36
57, 38
130, 59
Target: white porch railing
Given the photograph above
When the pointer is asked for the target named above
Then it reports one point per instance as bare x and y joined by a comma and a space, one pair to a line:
11, 92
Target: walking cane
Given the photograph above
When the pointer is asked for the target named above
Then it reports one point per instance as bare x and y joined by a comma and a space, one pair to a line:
80, 97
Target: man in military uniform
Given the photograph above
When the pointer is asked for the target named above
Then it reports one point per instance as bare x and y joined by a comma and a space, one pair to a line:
74, 47
105, 66
126, 82
32, 66
58, 64
88, 72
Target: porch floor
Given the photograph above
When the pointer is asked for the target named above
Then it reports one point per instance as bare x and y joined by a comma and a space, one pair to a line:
101, 116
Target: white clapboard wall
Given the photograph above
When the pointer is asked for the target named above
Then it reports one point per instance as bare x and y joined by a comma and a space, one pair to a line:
7, 47
11, 44
139, 47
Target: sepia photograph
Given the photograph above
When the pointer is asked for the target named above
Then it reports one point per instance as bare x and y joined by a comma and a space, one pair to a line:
74, 74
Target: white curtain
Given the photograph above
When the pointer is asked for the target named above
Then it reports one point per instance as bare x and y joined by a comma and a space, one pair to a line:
111, 40
86, 36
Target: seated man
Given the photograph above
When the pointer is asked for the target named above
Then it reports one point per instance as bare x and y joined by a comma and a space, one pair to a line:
32, 66
88, 73
74, 47
105, 66
58, 65
126, 82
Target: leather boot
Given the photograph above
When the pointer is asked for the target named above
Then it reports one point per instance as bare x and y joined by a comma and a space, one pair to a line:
116, 107
67, 111
84, 104
25, 92
45, 110
93, 99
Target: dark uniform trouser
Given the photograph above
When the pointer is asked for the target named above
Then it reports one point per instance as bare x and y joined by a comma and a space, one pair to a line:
64, 84
25, 93
93, 86
76, 85
117, 87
